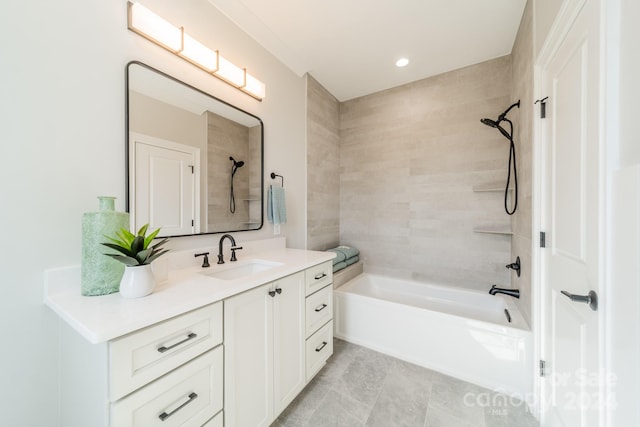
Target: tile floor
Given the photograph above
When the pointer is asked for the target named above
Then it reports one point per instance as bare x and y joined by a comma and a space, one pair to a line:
360, 387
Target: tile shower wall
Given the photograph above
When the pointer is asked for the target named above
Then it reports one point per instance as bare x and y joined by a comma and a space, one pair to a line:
226, 139
323, 169
522, 88
410, 158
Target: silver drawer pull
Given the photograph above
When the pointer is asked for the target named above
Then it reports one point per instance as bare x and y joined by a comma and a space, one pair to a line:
319, 349
188, 338
320, 307
163, 416
320, 276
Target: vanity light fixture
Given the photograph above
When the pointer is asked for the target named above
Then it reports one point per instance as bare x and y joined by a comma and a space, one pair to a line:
147, 24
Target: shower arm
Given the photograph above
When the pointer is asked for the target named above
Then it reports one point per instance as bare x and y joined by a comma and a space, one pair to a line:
503, 116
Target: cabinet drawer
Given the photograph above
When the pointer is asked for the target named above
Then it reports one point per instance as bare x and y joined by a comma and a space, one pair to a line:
319, 276
318, 349
319, 309
188, 396
141, 357
217, 421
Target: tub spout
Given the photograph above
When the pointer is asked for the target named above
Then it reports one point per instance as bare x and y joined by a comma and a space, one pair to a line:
511, 292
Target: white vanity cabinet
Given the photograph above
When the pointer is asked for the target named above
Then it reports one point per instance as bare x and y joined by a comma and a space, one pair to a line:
169, 374
264, 332
318, 317
198, 351
276, 339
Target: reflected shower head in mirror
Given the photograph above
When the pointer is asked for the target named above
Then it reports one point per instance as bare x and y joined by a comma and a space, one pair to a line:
236, 165
232, 198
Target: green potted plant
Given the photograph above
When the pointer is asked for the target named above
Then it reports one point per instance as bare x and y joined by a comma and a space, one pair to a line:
136, 252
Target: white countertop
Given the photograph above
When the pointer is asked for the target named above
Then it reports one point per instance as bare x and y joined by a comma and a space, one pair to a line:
103, 318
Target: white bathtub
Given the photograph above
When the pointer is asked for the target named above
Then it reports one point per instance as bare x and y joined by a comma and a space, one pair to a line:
461, 333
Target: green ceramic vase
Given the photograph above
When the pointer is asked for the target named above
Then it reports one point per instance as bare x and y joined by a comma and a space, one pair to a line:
100, 274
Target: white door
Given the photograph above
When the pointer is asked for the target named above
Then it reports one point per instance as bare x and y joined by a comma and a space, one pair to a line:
288, 340
572, 197
164, 187
248, 358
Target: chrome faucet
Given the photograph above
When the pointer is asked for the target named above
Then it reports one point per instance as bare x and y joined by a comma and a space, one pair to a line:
234, 248
511, 292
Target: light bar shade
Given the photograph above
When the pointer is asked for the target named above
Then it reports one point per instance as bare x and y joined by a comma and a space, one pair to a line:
230, 72
254, 87
144, 22
199, 54
153, 27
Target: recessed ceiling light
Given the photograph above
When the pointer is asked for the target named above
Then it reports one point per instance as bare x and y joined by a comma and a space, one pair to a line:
402, 62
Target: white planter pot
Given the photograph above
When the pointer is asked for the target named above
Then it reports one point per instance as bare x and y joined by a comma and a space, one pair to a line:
137, 281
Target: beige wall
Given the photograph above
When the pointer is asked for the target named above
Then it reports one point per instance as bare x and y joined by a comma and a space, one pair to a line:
161, 120
323, 168
522, 89
75, 152
409, 159
546, 12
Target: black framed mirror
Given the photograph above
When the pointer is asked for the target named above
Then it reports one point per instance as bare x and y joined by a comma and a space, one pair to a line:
194, 162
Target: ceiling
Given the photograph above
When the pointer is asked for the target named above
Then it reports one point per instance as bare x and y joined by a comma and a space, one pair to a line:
350, 46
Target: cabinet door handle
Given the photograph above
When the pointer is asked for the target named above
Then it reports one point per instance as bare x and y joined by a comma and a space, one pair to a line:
319, 349
320, 276
163, 416
320, 307
278, 291
272, 294
188, 338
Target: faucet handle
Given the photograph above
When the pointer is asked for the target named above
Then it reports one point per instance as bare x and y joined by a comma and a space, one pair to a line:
205, 262
233, 252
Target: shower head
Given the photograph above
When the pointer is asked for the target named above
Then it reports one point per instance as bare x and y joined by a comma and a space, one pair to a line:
489, 123
496, 125
501, 118
235, 165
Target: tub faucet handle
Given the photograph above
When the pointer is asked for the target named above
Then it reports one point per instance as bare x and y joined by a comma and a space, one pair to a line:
515, 266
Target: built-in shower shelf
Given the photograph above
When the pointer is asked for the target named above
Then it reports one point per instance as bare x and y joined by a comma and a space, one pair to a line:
504, 232
489, 188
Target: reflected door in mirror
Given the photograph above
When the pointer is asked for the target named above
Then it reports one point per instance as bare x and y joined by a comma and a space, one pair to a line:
164, 185
227, 182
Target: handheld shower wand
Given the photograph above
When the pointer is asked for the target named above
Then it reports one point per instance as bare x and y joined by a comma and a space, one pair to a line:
232, 198
512, 155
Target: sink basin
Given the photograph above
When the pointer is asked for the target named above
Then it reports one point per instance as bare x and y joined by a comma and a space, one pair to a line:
241, 269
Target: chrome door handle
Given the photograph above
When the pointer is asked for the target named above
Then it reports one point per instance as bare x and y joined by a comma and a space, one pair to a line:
591, 299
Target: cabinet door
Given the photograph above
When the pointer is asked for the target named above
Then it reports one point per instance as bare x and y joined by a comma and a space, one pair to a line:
288, 340
248, 352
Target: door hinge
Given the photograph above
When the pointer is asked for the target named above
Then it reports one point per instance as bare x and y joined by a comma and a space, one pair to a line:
543, 239
543, 366
543, 106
